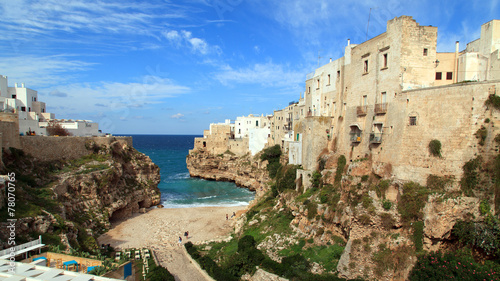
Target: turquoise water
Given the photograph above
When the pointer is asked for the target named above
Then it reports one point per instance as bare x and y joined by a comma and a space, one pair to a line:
178, 189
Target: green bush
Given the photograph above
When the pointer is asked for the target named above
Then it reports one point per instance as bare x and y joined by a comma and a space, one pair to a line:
382, 187
387, 221
341, 162
160, 274
365, 178
480, 235
412, 202
481, 134
386, 204
470, 176
272, 155
451, 266
493, 100
316, 179
435, 148
285, 178
418, 235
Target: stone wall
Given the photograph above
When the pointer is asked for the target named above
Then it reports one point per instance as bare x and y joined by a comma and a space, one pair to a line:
9, 128
450, 114
54, 148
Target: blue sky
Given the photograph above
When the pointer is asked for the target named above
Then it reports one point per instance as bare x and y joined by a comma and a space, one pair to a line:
174, 67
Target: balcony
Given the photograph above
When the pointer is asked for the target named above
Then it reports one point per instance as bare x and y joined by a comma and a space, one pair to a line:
376, 138
361, 110
355, 136
381, 108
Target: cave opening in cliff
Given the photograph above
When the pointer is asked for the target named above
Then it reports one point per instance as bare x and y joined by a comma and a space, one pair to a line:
120, 214
142, 204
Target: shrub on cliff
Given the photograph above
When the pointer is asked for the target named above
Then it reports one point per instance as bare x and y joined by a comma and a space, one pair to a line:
272, 155
451, 266
435, 148
412, 202
55, 129
470, 177
160, 274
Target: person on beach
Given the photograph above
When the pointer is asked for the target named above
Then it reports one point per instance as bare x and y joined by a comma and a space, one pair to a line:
227, 217
234, 215
186, 234
180, 240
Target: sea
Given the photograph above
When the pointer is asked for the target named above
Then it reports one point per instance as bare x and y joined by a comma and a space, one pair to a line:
178, 189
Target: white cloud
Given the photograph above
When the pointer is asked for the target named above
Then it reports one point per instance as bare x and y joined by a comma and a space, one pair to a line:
185, 39
41, 71
32, 18
177, 116
116, 98
267, 74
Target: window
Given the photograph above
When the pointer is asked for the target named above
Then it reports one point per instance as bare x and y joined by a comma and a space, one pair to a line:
413, 120
365, 69
383, 97
34, 99
425, 52
14, 96
309, 91
365, 100
317, 84
23, 108
257, 123
449, 75
385, 61
328, 79
338, 73
438, 75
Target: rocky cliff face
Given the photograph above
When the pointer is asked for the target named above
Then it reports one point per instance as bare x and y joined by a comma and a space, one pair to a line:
245, 171
73, 201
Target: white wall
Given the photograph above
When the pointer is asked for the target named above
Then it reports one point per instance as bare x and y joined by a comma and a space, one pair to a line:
258, 139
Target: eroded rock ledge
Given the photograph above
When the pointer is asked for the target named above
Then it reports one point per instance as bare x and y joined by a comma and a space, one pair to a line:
245, 171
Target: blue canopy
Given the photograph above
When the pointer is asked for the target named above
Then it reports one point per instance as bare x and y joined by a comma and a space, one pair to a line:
39, 258
72, 262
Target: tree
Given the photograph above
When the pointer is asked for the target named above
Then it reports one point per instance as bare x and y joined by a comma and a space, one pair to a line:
55, 129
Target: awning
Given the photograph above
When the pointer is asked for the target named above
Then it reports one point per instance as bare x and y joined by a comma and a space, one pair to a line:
356, 125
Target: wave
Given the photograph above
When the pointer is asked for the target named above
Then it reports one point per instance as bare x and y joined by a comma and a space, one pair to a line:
167, 204
179, 176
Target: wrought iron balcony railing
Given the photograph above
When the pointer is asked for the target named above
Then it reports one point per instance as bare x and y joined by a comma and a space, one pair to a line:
361, 110
375, 137
381, 108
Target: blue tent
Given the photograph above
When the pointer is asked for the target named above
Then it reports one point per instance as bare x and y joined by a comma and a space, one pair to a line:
68, 263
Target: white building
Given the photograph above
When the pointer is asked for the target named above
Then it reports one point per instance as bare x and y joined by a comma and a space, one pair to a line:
32, 113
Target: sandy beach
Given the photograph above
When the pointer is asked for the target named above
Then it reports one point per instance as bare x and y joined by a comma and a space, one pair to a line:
159, 229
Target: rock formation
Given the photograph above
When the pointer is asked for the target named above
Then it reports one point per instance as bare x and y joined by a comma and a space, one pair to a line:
71, 199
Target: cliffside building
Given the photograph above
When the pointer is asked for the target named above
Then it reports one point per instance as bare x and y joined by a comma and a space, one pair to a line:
33, 115
386, 99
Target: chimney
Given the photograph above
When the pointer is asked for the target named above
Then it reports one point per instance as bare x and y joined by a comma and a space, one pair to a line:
330, 59
455, 63
15, 85
348, 42
22, 85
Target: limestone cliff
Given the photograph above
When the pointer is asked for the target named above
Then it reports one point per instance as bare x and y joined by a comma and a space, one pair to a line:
70, 202
245, 171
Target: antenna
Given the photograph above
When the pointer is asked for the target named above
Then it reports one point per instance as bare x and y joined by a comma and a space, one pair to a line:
319, 56
368, 25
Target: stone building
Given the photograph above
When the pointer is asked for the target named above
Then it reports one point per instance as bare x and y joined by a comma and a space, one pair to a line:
388, 97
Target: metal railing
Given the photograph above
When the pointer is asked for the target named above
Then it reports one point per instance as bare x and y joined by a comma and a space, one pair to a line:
355, 137
375, 137
361, 110
381, 108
